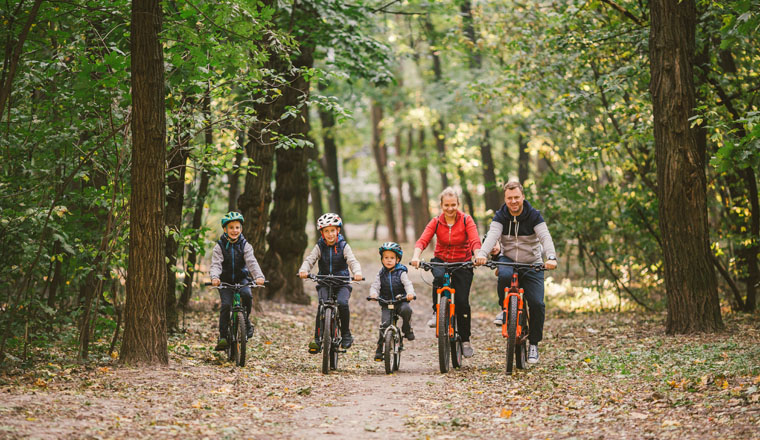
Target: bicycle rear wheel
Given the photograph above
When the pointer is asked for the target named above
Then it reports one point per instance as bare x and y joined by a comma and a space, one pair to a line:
511, 332
240, 340
390, 352
327, 340
444, 347
456, 351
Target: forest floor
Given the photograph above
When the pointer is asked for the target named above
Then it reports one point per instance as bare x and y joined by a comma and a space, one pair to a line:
601, 375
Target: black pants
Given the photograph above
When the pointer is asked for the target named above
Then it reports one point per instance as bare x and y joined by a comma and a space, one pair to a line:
344, 294
404, 310
227, 295
460, 282
532, 282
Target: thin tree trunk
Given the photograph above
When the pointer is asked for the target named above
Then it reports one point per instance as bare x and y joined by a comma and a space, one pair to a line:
415, 201
690, 280
316, 201
400, 186
192, 257
144, 319
379, 151
7, 84
523, 158
331, 158
492, 195
234, 175
424, 192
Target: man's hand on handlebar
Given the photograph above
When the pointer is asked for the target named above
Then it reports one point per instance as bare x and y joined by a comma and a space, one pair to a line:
215, 282
550, 264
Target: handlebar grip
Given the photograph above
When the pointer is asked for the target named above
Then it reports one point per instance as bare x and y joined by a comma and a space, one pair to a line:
208, 283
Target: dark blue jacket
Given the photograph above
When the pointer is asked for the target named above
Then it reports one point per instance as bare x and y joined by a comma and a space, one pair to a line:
234, 270
331, 258
390, 282
527, 220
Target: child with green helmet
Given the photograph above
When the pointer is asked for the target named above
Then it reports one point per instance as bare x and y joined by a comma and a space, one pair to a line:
233, 262
391, 281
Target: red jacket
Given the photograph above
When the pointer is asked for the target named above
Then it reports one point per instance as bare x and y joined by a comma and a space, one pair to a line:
453, 244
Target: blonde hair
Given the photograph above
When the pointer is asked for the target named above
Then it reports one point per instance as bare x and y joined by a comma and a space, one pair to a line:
449, 192
514, 184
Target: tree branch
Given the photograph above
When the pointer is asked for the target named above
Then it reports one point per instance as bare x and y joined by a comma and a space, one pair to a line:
625, 12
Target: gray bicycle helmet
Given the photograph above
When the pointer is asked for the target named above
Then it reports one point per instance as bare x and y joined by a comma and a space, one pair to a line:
393, 247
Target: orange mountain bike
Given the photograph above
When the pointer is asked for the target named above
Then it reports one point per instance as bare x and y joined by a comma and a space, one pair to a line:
515, 328
449, 342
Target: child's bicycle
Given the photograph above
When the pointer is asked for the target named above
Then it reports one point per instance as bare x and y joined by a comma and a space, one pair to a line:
236, 332
393, 343
449, 342
515, 327
328, 329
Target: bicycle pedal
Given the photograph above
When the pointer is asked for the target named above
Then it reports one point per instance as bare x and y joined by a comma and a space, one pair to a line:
340, 350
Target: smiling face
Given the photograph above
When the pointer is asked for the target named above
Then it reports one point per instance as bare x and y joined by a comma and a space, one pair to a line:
389, 259
233, 229
514, 199
330, 234
449, 205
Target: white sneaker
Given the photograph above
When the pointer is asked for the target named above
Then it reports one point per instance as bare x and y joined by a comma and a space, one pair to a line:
432, 321
499, 319
467, 350
533, 354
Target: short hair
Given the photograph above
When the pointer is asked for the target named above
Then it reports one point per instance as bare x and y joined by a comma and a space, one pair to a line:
514, 184
449, 192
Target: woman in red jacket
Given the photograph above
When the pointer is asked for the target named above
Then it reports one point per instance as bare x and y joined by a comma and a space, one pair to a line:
456, 240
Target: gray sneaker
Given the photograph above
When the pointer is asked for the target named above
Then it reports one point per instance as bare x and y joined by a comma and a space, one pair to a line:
432, 321
533, 354
467, 350
499, 319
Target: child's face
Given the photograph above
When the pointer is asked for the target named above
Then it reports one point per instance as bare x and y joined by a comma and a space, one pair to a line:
389, 259
330, 234
233, 229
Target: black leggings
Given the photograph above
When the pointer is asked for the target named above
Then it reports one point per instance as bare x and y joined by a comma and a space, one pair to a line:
461, 280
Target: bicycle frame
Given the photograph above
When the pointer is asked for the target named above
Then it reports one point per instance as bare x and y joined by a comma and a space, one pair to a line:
236, 346
515, 290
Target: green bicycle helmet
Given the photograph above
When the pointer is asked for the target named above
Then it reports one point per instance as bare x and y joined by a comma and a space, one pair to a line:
232, 216
393, 247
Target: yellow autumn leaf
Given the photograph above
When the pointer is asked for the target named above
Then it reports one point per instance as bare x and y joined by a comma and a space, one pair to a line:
197, 404
40, 383
505, 413
114, 354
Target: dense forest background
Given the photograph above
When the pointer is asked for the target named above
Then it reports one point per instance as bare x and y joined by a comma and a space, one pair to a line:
284, 110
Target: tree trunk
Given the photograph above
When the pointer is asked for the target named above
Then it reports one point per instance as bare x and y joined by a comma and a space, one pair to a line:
234, 175
331, 158
440, 146
379, 151
492, 195
15, 52
466, 192
402, 212
144, 321
316, 201
415, 202
192, 257
523, 159
287, 226
690, 280
425, 206
175, 199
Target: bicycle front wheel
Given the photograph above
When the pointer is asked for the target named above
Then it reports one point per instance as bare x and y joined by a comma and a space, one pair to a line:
240, 340
327, 340
511, 332
443, 334
390, 352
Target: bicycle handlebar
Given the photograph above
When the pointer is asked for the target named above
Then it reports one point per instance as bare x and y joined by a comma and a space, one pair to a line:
533, 266
335, 280
450, 267
223, 285
399, 299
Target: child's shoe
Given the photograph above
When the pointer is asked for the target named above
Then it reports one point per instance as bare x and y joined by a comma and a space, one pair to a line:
347, 341
314, 346
249, 331
379, 353
409, 335
221, 345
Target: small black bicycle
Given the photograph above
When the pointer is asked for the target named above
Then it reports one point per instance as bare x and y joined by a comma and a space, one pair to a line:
393, 343
328, 327
236, 332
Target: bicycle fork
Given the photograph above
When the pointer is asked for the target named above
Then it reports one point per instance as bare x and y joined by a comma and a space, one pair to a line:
513, 290
440, 291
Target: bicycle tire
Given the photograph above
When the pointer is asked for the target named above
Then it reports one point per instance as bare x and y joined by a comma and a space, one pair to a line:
511, 330
326, 340
231, 347
334, 351
240, 340
521, 357
397, 362
456, 351
444, 347
389, 352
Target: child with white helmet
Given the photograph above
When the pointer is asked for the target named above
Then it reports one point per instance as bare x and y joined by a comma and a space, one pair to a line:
334, 257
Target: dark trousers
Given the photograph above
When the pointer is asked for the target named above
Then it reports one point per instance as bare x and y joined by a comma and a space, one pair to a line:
227, 296
404, 310
460, 282
344, 293
533, 284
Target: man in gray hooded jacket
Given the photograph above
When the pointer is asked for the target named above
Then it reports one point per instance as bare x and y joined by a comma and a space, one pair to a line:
522, 233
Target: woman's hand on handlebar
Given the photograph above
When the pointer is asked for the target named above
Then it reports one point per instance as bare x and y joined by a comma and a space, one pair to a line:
415, 262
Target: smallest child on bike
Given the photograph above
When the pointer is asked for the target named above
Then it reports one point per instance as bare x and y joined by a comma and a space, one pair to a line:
233, 262
391, 281
334, 257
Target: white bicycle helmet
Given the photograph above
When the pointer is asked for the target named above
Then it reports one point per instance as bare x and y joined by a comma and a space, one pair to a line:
329, 219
